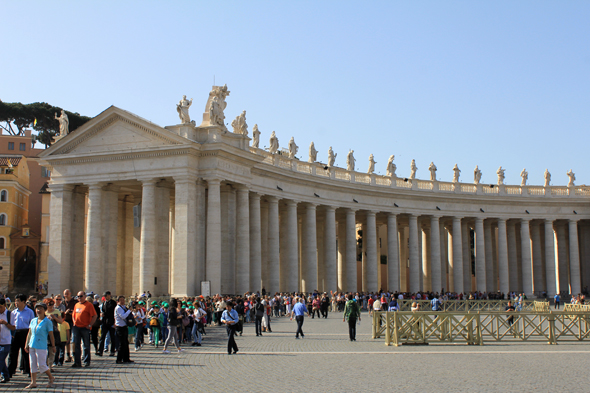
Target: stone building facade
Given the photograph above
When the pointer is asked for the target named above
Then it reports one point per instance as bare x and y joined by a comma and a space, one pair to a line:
137, 207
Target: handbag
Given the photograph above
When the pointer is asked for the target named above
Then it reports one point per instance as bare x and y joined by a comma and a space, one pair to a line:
130, 319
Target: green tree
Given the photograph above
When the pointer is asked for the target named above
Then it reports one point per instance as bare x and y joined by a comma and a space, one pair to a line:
16, 117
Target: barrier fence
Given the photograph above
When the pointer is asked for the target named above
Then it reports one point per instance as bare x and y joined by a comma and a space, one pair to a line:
474, 305
473, 328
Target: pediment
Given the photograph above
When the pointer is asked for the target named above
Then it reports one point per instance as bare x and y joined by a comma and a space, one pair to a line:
111, 131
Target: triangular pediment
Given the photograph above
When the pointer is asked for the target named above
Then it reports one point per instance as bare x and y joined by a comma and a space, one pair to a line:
111, 131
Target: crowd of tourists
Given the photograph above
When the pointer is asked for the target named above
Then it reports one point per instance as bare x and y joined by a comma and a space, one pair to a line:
63, 328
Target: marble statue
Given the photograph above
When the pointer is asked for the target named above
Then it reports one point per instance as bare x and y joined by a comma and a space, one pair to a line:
500, 173
216, 105
331, 157
476, 175
456, 174
239, 124
524, 176
572, 177
432, 168
293, 148
371, 164
182, 109
274, 143
256, 135
350, 161
313, 153
391, 167
547, 177
413, 169
64, 123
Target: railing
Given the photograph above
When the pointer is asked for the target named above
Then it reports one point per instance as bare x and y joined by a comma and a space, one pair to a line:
284, 162
540, 306
470, 305
405, 327
576, 307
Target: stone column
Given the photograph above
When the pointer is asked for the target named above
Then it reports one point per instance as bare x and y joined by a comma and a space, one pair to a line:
392, 254
527, 267
351, 274
435, 257
129, 246
458, 255
255, 243
538, 281
163, 239
372, 262
147, 251
78, 240
200, 272
110, 215
341, 255
503, 270
58, 261
172, 242
292, 247
185, 236
364, 257
512, 257
562, 257
242, 240
447, 285
550, 259
93, 275
480, 257
264, 277
489, 255
575, 277
320, 253
465, 256
273, 245
330, 262
310, 264
228, 239
414, 257
426, 262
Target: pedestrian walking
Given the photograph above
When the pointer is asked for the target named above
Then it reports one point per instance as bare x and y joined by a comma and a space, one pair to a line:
299, 311
230, 318
84, 316
352, 312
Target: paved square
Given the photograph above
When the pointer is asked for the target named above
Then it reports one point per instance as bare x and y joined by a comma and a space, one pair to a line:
327, 361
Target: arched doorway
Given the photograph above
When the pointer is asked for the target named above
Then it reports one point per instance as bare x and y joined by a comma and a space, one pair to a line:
25, 270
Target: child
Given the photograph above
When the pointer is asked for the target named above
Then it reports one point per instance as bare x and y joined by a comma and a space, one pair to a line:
64, 332
155, 323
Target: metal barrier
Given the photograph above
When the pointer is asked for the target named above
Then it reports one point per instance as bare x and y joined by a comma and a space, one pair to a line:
421, 327
540, 306
473, 305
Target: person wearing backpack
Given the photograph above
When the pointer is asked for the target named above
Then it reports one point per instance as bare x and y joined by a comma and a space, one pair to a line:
352, 312
435, 303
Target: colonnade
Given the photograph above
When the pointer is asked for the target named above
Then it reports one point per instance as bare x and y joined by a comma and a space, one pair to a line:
194, 230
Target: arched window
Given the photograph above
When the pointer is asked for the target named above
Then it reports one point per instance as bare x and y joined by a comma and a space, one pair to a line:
4, 196
2, 244
2, 219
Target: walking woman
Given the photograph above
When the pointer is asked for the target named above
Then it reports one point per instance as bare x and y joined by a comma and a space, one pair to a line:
174, 319
39, 329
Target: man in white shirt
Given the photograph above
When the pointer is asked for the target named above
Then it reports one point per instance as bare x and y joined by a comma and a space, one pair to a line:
121, 313
5, 339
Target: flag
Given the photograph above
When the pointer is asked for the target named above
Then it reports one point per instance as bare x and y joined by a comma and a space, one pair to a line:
35, 122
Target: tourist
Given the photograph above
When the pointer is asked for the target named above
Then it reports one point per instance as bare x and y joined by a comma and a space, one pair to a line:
84, 316
39, 329
121, 313
139, 315
107, 318
93, 299
510, 308
556, 299
393, 305
199, 315
259, 310
55, 317
435, 303
70, 304
174, 319
21, 319
155, 324
230, 318
64, 336
299, 311
5, 339
352, 312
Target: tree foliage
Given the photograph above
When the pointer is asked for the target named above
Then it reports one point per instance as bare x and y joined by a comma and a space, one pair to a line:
16, 117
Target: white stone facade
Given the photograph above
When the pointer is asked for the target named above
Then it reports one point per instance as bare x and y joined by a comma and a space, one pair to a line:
215, 209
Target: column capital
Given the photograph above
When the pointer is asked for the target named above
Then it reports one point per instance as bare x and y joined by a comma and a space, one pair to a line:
478, 219
113, 188
502, 219
435, 217
57, 187
573, 220
150, 181
95, 186
212, 180
185, 179
310, 206
350, 210
549, 221
291, 202
330, 208
525, 219
272, 199
372, 212
241, 187
255, 195
455, 218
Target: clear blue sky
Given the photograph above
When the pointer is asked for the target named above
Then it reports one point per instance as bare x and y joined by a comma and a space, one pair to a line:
473, 83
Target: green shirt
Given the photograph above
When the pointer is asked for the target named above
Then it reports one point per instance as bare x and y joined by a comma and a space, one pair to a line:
351, 310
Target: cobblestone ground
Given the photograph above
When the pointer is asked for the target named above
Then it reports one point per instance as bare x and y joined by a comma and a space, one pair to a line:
327, 361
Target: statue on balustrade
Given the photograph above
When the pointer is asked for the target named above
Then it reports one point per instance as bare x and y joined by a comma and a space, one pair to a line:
239, 124
256, 136
525, 176
274, 143
572, 177
216, 105
500, 173
456, 174
371, 164
476, 175
391, 167
64, 123
313, 153
182, 109
413, 169
293, 148
547, 178
350, 161
331, 157
432, 168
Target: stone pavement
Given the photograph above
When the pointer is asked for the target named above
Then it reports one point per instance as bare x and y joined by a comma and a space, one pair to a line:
327, 361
